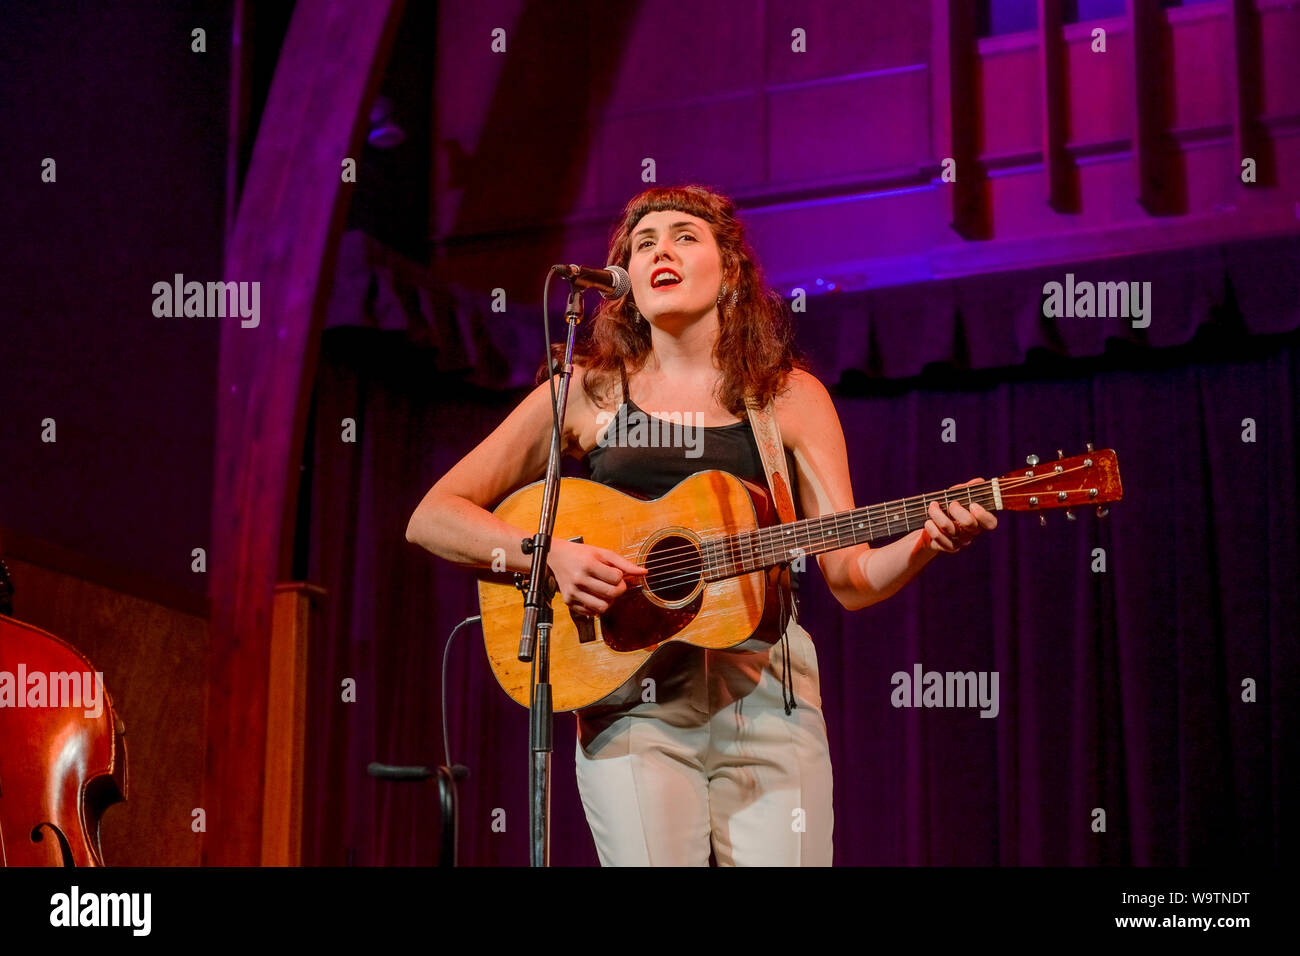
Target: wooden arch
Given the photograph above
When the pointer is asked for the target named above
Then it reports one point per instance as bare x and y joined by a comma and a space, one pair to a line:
285, 237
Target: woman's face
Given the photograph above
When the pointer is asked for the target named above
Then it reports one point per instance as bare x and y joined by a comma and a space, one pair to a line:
667, 244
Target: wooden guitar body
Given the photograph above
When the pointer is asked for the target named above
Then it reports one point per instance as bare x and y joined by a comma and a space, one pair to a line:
664, 535
717, 561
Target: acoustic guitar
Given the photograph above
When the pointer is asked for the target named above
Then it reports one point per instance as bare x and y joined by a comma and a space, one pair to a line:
716, 558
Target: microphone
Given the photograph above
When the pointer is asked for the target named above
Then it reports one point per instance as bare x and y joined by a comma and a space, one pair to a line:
612, 281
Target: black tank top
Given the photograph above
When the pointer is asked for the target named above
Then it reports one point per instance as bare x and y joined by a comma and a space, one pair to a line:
649, 456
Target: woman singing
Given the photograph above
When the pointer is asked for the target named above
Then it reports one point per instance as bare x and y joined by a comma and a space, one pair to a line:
729, 754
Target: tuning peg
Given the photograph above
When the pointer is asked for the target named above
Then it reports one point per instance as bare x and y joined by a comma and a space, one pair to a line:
1031, 460
1042, 521
1069, 515
1102, 511
1088, 446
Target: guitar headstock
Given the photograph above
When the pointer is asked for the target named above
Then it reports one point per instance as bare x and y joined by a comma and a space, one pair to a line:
1088, 479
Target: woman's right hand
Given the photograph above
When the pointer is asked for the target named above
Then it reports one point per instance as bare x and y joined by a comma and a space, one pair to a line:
590, 579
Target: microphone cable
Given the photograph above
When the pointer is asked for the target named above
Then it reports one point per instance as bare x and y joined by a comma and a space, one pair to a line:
458, 771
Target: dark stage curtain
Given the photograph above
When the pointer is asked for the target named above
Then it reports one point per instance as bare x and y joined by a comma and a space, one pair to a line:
895, 332
1120, 690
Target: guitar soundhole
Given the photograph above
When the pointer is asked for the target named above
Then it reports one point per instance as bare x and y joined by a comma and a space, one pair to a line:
674, 565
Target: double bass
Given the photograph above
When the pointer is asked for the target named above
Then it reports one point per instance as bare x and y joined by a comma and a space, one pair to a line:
61, 764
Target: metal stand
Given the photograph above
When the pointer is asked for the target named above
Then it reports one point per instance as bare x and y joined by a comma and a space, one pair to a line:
535, 633
448, 802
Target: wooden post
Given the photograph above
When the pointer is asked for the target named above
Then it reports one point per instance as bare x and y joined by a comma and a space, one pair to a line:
956, 111
1244, 78
1057, 167
286, 723
1158, 160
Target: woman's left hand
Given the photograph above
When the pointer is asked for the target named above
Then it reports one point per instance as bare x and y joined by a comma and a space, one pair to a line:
950, 532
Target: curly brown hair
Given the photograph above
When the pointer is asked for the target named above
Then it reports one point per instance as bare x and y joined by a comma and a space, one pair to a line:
755, 348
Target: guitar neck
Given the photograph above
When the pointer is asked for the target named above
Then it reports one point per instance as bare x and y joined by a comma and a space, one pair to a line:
749, 551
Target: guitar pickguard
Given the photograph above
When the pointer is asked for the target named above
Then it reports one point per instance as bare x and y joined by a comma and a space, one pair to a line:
634, 623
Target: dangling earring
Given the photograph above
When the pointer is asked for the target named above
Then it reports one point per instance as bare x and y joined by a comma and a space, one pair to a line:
731, 302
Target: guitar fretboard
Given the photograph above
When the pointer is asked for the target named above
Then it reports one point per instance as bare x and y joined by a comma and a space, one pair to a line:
730, 555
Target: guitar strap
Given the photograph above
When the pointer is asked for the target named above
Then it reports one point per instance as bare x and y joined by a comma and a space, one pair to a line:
767, 435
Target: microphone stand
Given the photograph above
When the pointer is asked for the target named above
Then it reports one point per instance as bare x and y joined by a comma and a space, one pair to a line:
448, 801
534, 638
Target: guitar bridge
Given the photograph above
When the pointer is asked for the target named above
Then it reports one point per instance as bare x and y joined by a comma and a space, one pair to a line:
586, 626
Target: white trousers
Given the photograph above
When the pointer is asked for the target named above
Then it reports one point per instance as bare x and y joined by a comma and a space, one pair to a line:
713, 761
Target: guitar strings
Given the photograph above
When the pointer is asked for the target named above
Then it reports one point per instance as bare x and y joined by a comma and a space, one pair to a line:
695, 560
698, 564
681, 571
882, 512
688, 562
